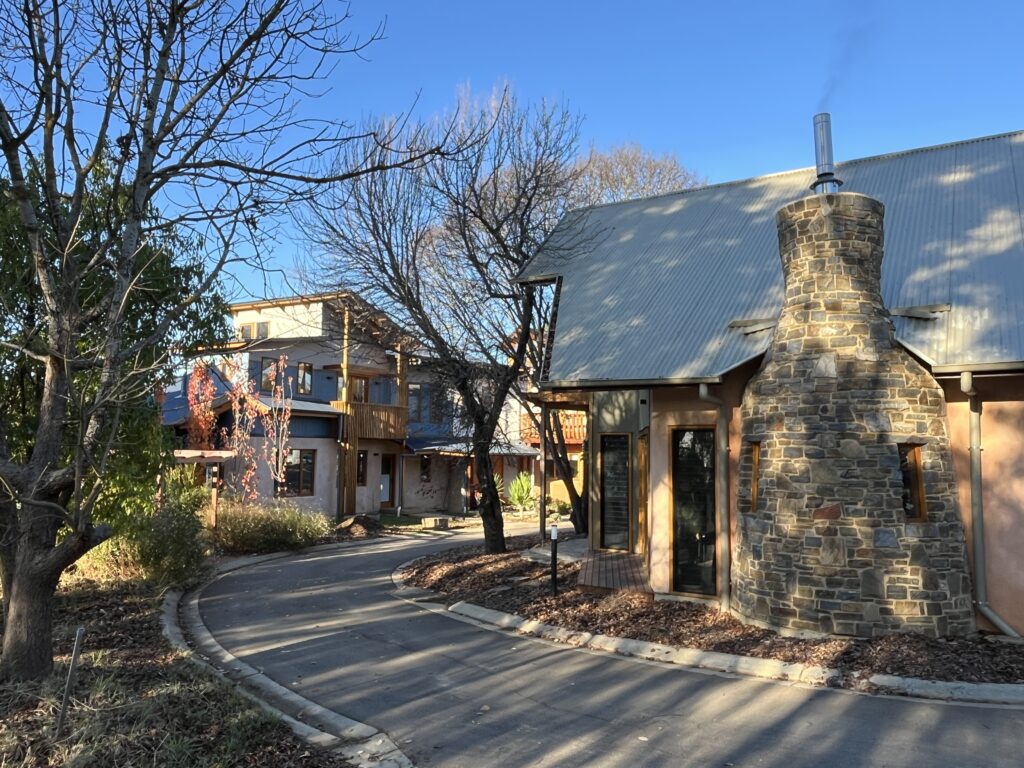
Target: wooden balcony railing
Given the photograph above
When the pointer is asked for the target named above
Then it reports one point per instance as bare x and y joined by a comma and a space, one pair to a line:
373, 420
574, 427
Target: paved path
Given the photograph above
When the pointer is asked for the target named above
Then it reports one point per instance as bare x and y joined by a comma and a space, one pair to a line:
451, 694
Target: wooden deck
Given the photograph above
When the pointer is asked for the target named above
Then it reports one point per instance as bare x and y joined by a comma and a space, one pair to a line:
614, 572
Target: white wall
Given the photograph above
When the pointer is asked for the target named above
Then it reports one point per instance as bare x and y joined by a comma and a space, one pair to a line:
325, 475
290, 320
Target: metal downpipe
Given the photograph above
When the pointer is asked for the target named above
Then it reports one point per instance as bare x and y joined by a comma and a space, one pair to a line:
977, 511
722, 481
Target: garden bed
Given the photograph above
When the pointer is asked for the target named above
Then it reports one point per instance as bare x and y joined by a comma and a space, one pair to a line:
509, 582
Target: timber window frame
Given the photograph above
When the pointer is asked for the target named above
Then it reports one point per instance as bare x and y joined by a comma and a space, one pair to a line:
304, 379
268, 373
299, 473
915, 507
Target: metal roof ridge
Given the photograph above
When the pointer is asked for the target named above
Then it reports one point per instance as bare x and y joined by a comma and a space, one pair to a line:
806, 169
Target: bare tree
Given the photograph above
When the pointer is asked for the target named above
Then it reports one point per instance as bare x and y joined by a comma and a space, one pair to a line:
628, 171
133, 135
438, 249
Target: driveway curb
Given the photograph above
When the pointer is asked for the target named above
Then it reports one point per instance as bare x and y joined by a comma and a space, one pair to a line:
1010, 694
360, 743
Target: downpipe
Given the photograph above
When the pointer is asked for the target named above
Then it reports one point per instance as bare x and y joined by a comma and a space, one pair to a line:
977, 511
722, 481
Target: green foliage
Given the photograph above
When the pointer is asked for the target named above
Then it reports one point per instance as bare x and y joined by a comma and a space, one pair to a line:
164, 544
169, 544
520, 493
499, 484
558, 509
251, 528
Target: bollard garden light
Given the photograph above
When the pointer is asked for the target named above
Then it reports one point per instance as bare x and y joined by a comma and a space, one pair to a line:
554, 558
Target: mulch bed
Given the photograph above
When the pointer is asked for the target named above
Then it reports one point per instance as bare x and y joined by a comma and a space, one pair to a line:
508, 582
137, 701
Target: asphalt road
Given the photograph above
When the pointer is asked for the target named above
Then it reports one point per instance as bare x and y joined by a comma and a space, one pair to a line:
327, 625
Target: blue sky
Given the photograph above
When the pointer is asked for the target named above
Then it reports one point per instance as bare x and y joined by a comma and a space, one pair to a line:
730, 87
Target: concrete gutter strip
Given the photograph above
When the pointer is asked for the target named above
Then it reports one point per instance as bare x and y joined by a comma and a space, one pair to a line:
981, 693
361, 744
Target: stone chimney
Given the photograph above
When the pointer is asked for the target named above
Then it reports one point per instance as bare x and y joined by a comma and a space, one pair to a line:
848, 517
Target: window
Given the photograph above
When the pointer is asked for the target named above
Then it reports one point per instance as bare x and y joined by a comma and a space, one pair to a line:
425, 469
613, 483
361, 468
553, 472
913, 482
299, 473
358, 389
305, 382
262, 330
417, 411
268, 367
246, 331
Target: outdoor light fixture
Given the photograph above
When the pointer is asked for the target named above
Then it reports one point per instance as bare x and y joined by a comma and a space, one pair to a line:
554, 558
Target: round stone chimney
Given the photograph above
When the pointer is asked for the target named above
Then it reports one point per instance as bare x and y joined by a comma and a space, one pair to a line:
848, 517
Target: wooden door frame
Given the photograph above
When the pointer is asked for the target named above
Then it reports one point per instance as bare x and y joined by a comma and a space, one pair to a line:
643, 461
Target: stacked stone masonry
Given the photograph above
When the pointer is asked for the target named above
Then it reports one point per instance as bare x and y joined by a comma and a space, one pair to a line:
826, 546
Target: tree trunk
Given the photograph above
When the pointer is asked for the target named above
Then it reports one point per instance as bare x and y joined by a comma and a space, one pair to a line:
28, 630
563, 469
490, 504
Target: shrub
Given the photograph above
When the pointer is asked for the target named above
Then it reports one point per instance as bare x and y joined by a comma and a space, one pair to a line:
170, 544
164, 545
520, 493
251, 528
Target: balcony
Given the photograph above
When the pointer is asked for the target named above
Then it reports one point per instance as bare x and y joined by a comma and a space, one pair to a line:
574, 427
374, 420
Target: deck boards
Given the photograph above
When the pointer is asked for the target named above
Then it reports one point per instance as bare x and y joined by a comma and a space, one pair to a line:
614, 571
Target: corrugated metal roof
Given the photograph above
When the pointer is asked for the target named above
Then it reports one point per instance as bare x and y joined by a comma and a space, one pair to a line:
651, 285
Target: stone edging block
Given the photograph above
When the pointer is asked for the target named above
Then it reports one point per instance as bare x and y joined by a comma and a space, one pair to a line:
690, 657
772, 669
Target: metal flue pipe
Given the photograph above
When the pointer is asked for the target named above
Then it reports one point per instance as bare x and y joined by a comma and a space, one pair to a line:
826, 183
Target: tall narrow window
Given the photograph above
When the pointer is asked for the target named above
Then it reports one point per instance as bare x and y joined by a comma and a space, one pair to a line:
913, 482
361, 458
299, 473
416, 409
358, 389
268, 367
305, 382
425, 469
615, 491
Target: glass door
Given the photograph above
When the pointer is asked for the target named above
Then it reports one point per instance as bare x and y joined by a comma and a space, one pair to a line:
387, 473
693, 510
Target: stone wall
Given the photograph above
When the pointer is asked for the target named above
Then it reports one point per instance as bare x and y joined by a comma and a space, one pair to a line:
826, 545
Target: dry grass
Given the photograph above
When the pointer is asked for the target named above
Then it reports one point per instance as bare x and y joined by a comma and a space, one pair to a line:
137, 702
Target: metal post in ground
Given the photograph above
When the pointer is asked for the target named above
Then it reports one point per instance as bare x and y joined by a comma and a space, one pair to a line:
554, 559
70, 681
